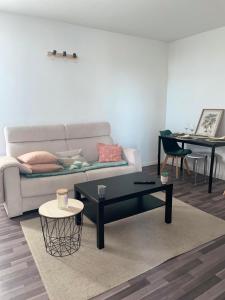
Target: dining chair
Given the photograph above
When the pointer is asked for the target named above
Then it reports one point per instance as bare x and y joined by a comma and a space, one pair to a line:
217, 164
174, 151
197, 158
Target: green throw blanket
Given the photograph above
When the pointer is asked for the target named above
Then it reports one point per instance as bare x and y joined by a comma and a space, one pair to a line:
65, 171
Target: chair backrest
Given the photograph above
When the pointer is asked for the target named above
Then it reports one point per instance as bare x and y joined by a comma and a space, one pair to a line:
169, 146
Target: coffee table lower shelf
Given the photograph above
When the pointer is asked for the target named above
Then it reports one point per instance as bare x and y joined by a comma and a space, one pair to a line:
100, 213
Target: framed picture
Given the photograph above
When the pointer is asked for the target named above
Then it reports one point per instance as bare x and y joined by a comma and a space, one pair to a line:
209, 122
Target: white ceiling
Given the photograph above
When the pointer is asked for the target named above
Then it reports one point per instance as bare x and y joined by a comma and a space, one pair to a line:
165, 20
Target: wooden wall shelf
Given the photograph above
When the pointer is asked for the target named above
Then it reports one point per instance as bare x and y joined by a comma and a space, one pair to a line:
63, 54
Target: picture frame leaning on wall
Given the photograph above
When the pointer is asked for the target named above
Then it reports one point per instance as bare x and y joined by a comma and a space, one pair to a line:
209, 122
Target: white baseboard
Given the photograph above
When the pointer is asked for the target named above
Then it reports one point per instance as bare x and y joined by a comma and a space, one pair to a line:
147, 164
220, 175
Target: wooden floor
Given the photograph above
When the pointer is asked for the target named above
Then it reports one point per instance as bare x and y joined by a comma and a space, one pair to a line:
19, 277
198, 274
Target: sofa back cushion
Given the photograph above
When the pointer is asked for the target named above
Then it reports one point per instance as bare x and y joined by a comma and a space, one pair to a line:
20, 140
57, 138
89, 146
87, 136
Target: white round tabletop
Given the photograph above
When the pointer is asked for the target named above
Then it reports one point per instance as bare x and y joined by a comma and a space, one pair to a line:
50, 209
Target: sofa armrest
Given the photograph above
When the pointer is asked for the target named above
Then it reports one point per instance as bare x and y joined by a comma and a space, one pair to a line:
132, 156
9, 161
10, 191
5, 162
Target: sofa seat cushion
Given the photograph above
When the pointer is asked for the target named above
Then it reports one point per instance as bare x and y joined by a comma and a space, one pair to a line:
110, 172
78, 167
48, 185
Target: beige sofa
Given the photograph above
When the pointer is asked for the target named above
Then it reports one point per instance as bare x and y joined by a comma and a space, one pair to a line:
20, 194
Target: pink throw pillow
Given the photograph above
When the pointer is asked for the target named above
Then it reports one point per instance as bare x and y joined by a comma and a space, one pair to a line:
109, 153
24, 169
44, 168
38, 157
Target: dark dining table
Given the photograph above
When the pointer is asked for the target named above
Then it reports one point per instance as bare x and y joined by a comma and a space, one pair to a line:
204, 142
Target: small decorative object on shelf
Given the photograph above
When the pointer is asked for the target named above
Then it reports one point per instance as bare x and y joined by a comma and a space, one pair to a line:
164, 177
64, 54
101, 191
62, 197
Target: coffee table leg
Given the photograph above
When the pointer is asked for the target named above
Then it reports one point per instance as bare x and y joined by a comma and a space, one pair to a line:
168, 207
78, 219
140, 203
77, 195
100, 225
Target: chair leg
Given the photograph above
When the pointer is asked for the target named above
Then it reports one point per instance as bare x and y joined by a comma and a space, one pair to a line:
177, 168
215, 170
164, 163
205, 167
172, 165
187, 166
195, 170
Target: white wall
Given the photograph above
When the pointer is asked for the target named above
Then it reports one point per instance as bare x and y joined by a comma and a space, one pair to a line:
196, 80
118, 78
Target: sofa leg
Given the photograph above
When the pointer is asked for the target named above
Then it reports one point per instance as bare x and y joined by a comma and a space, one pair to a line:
9, 214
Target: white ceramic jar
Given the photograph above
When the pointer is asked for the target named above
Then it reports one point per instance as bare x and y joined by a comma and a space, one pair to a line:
164, 177
62, 197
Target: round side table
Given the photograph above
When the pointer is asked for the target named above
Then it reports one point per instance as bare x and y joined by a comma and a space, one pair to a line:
61, 228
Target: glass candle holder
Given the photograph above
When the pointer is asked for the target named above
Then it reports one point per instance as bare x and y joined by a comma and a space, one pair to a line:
101, 191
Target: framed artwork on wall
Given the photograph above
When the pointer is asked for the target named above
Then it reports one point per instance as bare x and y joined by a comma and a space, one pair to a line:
209, 122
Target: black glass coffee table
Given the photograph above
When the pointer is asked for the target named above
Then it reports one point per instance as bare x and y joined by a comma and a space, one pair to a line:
123, 199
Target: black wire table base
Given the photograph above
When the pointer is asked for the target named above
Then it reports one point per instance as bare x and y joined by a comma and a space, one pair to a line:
62, 236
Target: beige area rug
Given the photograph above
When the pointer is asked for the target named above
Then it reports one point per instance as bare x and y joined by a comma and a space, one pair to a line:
132, 246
